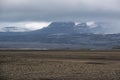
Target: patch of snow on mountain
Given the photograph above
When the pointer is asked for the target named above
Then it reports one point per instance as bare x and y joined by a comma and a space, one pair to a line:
91, 24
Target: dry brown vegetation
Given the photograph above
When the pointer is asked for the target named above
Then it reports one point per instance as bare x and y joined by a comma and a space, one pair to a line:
59, 65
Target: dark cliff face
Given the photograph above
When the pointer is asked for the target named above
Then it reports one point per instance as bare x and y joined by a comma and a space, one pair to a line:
60, 24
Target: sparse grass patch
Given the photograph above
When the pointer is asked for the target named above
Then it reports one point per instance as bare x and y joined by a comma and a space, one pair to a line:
59, 65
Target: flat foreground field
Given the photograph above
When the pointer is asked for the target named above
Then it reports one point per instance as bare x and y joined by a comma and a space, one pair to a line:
59, 65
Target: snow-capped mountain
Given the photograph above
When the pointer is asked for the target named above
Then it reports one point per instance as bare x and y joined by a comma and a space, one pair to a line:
71, 28
61, 28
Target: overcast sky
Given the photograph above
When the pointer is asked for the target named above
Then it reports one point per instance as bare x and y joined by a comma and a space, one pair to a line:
36, 12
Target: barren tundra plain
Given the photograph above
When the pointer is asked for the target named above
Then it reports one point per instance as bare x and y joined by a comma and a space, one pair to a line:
59, 65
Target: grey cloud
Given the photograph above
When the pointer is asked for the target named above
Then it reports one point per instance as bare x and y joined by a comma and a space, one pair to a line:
53, 10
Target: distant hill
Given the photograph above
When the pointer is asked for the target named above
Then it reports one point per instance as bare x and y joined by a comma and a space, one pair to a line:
13, 29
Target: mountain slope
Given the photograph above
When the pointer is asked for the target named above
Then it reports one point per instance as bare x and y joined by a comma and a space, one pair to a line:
60, 35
